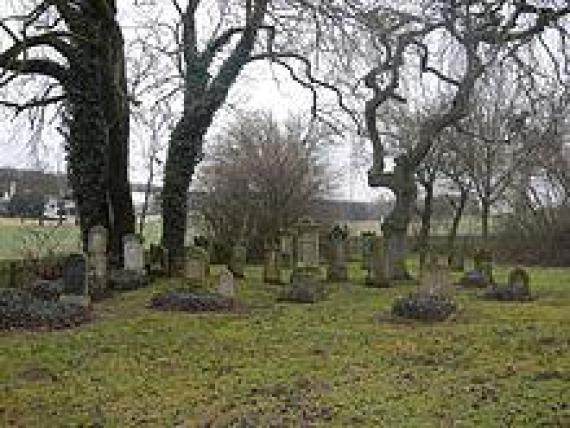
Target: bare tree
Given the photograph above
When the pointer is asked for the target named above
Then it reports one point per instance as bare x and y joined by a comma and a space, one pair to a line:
478, 34
259, 177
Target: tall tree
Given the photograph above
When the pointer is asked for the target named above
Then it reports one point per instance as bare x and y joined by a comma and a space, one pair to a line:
78, 46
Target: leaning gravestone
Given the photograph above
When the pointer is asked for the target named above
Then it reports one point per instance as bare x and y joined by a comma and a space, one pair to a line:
97, 261
376, 271
133, 254
337, 265
226, 285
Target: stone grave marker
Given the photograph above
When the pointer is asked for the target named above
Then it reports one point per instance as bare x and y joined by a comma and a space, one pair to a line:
133, 254
286, 249
238, 260
377, 272
307, 247
226, 284
271, 273
97, 260
337, 264
75, 284
195, 265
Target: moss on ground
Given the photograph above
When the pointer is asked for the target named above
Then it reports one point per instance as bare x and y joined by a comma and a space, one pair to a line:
335, 363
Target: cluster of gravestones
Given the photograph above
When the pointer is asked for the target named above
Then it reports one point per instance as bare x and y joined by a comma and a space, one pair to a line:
87, 276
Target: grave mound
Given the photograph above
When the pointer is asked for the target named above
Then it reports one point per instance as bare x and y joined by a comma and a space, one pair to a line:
192, 301
424, 306
19, 309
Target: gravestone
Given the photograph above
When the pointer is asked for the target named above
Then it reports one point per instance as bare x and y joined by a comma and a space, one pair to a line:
271, 273
456, 261
483, 261
226, 284
307, 262
286, 249
133, 254
195, 265
516, 290
238, 260
158, 260
337, 264
367, 243
75, 275
97, 261
376, 272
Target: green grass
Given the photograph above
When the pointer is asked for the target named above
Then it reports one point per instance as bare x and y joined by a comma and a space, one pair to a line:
18, 239
333, 363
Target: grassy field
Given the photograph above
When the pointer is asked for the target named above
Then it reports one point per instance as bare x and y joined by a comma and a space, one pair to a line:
17, 239
336, 363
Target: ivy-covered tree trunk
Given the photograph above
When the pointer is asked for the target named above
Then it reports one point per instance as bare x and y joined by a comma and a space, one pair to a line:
98, 117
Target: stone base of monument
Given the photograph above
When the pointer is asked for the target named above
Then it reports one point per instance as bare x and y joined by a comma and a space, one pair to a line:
82, 301
305, 287
125, 280
337, 273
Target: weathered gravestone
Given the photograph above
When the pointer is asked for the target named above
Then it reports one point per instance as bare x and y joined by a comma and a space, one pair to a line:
271, 273
133, 254
305, 285
307, 262
238, 260
376, 276
195, 265
97, 261
75, 285
158, 260
286, 249
226, 284
337, 264
435, 277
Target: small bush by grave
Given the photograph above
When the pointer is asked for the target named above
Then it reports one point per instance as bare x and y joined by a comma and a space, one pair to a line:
20, 310
125, 280
192, 301
424, 306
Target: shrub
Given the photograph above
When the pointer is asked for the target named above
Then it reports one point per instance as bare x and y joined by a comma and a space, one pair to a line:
424, 306
19, 309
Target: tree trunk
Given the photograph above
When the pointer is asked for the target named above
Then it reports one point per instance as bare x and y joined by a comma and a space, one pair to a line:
423, 239
458, 214
485, 214
395, 227
98, 140
179, 168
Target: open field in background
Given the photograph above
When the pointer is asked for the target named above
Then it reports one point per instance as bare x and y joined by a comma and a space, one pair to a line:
334, 363
16, 238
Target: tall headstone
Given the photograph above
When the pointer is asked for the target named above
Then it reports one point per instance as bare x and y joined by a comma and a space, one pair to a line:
435, 277
133, 254
271, 274
238, 260
307, 247
337, 254
483, 261
195, 265
286, 249
377, 269
97, 261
